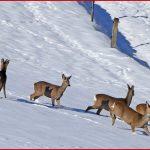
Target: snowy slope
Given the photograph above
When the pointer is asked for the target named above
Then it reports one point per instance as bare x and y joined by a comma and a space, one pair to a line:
133, 26
44, 40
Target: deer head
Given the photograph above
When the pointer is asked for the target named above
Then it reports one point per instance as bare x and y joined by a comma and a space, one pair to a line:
4, 64
131, 89
66, 81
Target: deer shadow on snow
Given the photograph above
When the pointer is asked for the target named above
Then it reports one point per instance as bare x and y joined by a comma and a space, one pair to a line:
74, 110
48, 105
137, 131
104, 24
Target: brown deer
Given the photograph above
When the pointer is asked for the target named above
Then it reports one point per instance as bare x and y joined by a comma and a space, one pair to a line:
50, 90
141, 108
3, 76
101, 100
130, 116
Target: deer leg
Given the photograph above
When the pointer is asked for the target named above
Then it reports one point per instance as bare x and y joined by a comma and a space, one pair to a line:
114, 119
113, 116
53, 102
0, 88
146, 130
58, 102
133, 129
36, 97
4, 89
1, 84
90, 107
99, 110
32, 96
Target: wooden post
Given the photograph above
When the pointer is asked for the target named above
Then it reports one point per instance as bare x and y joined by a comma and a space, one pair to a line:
114, 33
92, 11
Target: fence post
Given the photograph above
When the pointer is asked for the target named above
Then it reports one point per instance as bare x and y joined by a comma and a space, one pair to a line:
92, 11
114, 33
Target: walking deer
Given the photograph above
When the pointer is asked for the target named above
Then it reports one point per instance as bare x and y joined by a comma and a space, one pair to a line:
141, 108
130, 116
3, 76
50, 90
101, 100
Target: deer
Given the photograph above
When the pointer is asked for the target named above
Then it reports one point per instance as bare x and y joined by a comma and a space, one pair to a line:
55, 92
101, 100
141, 108
130, 116
3, 76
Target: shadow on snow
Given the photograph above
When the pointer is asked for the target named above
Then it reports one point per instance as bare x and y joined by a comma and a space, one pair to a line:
74, 110
104, 24
139, 132
61, 107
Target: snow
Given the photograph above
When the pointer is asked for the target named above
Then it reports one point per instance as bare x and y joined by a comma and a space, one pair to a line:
44, 40
134, 24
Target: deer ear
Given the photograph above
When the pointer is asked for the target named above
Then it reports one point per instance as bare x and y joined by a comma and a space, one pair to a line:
69, 77
7, 61
128, 86
63, 76
132, 87
147, 105
2, 60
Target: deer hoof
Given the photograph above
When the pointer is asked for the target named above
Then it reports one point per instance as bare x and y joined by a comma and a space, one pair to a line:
134, 133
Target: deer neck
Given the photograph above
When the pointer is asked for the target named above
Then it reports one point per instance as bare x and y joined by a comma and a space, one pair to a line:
145, 118
3, 70
3, 73
129, 98
62, 88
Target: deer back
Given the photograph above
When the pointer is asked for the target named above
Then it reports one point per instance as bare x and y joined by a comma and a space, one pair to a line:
100, 98
40, 87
